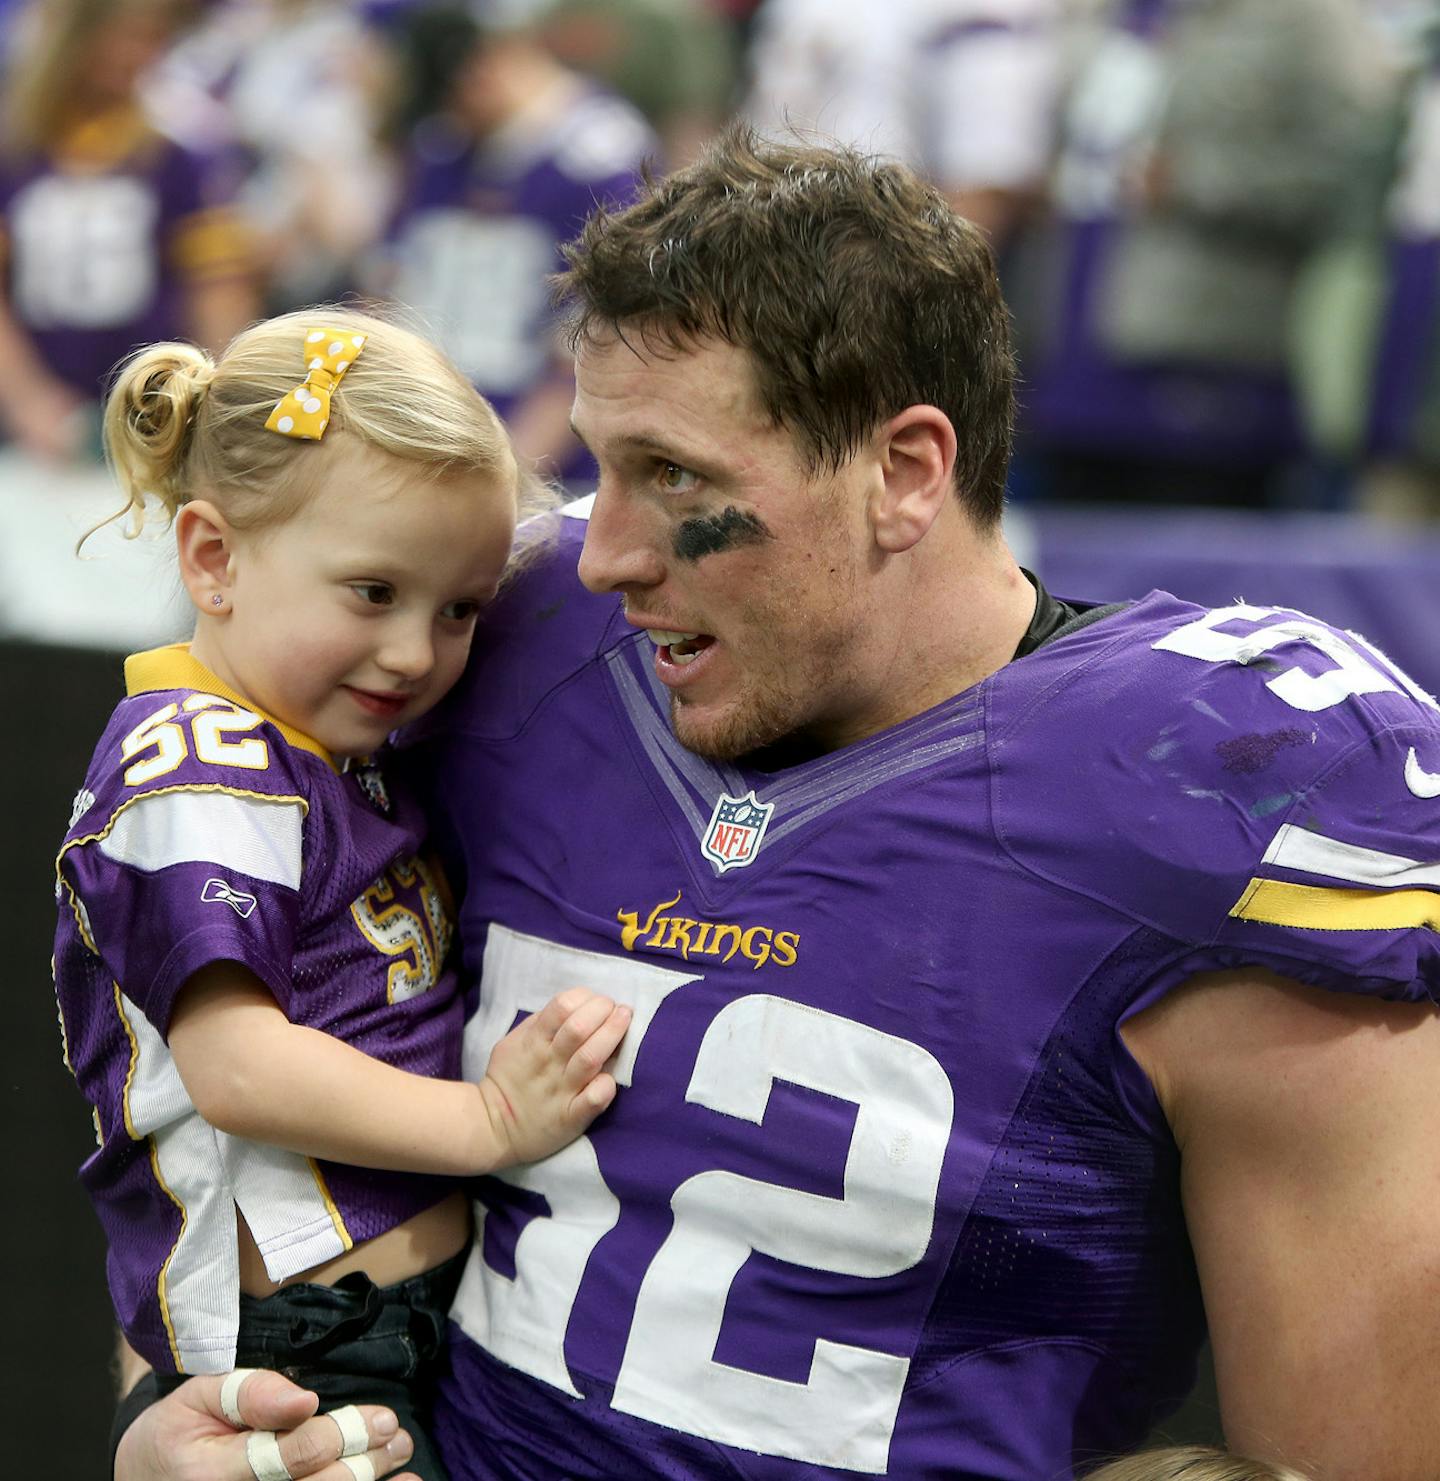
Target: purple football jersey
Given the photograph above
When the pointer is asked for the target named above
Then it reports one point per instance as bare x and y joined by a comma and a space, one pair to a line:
100, 242
479, 232
208, 832
882, 1192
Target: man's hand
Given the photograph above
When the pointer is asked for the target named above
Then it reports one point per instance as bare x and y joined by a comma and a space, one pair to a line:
546, 1081
186, 1436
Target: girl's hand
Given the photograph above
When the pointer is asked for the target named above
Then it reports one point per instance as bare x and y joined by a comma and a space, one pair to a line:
546, 1080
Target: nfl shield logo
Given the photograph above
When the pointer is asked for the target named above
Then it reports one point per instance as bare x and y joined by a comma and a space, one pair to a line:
732, 837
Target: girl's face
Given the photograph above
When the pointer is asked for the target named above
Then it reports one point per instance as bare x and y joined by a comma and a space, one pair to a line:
354, 616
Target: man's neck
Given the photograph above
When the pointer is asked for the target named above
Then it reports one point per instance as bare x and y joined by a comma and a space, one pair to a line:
951, 613
969, 605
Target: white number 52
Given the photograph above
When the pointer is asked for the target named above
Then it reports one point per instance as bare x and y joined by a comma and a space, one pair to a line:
1354, 673
843, 1415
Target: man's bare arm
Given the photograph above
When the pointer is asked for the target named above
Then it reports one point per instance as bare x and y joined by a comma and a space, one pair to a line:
1308, 1124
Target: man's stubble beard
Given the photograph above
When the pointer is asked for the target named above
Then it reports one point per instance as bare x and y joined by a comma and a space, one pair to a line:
744, 729
779, 709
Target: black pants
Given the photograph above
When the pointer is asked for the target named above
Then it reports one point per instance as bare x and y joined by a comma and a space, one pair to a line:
356, 1343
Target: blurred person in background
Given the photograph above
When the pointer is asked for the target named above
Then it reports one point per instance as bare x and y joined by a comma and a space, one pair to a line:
962, 91
675, 60
505, 153
10, 11
1203, 145
296, 85
112, 232
738, 15
1398, 364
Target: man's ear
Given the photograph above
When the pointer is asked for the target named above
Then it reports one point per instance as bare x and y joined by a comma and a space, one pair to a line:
205, 544
916, 453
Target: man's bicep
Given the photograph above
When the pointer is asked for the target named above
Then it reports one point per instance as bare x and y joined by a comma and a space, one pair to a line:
1309, 1130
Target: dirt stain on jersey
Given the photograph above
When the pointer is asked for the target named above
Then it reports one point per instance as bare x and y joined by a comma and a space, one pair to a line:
1245, 754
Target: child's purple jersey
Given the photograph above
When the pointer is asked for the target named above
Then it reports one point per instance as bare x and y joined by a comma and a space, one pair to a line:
208, 832
882, 1192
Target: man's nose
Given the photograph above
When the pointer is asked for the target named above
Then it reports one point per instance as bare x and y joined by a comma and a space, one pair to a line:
620, 550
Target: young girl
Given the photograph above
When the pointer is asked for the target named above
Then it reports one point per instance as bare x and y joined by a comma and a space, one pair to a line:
251, 955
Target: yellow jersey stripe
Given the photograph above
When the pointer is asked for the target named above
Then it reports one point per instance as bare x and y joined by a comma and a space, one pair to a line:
331, 1207
1313, 907
162, 1283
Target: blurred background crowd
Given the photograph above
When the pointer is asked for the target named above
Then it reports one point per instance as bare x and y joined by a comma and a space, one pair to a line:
1218, 220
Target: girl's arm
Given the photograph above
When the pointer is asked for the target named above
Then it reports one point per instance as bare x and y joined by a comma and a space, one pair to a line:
254, 1074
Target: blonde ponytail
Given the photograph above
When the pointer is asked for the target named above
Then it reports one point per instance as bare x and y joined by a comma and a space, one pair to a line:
149, 423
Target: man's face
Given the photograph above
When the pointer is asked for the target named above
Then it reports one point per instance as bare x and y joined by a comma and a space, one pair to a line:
750, 575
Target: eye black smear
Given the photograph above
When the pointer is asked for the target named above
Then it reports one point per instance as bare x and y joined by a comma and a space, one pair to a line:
716, 532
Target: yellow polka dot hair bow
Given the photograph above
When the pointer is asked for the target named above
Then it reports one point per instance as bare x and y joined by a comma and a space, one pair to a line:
305, 412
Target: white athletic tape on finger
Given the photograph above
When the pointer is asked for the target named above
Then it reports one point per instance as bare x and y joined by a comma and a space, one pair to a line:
262, 1450
230, 1396
361, 1467
353, 1434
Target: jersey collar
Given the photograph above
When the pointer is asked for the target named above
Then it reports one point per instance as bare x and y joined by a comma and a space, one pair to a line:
173, 667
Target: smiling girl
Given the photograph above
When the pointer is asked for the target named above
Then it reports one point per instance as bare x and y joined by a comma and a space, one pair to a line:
251, 958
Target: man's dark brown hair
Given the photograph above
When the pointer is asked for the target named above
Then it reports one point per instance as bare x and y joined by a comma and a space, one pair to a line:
854, 288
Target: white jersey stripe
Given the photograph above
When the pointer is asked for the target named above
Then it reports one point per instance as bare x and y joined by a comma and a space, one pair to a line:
201, 1281
254, 835
207, 1173
154, 1094
199, 1284
285, 1206
1313, 853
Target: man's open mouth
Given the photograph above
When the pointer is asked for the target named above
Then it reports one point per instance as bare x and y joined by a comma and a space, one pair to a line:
679, 647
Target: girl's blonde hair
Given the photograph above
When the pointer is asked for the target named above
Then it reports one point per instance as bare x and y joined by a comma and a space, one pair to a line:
179, 425
1191, 1463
